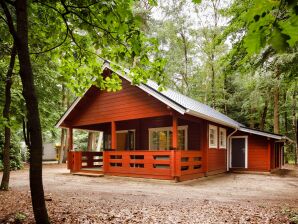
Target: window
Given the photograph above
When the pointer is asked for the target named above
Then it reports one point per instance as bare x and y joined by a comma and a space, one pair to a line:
161, 138
212, 136
222, 138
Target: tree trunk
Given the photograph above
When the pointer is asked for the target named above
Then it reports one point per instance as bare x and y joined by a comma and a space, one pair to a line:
7, 131
212, 82
90, 141
252, 120
61, 150
295, 123
263, 116
20, 36
285, 112
276, 110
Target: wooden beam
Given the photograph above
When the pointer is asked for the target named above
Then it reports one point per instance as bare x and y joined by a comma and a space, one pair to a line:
175, 132
113, 135
70, 139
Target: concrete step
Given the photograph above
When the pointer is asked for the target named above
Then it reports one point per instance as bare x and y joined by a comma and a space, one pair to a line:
88, 174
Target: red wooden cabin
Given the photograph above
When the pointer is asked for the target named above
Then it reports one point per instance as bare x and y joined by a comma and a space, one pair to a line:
163, 135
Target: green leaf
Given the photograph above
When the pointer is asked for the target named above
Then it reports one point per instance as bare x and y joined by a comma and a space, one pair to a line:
290, 28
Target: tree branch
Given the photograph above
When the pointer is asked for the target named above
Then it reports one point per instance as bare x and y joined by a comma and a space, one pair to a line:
52, 48
9, 20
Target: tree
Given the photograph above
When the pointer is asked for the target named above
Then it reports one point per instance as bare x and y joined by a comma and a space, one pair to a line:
110, 29
7, 131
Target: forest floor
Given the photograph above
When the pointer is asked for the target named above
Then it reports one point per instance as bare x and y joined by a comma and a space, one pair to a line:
227, 198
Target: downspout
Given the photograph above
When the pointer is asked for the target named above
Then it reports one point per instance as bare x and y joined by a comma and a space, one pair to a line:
228, 148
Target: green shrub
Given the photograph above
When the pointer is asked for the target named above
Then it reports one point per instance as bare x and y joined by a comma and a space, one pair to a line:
16, 162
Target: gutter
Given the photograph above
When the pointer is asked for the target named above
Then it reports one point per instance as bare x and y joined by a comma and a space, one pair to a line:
229, 147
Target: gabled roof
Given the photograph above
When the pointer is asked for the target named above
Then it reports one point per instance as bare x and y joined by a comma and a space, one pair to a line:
183, 105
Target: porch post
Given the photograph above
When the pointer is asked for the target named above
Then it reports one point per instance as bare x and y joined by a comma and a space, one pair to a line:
70, 139
175, 132
113, 136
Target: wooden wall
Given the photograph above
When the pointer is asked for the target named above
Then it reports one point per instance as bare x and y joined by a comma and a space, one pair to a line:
258, 153
259, 156
98, 106
217, 157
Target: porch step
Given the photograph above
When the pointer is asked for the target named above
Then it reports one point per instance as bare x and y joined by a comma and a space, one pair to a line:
88, 174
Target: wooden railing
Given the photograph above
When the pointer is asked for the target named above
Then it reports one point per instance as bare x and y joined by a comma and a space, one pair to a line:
170, 164
189, 164
78, 160
92, 159
153, 164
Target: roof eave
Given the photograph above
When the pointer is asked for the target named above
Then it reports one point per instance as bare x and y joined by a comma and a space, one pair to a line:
256, 132
196, 114
68, 112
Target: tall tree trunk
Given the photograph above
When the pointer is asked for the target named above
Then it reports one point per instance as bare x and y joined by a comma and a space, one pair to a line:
285, 112
62, 146
185, 73
62, 139
212, 82
20, 36
263, 116
295, 122
90, 141
276, 92
276, 110
225, 91
65, 149
7, 131
252, 113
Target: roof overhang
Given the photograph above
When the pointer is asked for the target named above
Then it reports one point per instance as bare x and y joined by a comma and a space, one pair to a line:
196, 114
262, 133
77, 100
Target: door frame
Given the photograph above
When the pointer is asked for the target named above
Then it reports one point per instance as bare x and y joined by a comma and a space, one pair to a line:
134, 134
246, 150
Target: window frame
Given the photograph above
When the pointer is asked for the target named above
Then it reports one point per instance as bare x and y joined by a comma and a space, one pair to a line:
183, 127
215, 128
225, 138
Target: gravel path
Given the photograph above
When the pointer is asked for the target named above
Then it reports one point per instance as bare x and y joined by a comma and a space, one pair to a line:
228, 198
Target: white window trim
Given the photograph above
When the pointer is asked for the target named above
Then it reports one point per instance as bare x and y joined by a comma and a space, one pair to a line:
213, 146
219, 137
184, 127
134, 135
246, 150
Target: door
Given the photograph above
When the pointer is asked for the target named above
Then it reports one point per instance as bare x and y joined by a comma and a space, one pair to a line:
126, 140
238, 154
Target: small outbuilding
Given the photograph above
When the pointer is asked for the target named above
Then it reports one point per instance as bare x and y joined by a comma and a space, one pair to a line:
164, 135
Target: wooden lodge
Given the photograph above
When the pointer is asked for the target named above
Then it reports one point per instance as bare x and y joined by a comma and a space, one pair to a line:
163, 135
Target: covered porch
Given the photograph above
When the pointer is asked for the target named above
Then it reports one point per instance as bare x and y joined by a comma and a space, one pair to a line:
164, 147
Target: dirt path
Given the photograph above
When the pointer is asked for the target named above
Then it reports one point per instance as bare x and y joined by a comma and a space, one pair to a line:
230, 198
